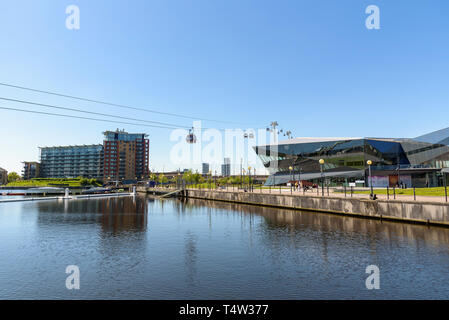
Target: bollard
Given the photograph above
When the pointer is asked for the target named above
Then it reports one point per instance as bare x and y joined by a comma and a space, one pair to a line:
328, 191
344, 187
414, 194
394, 193
388, 193
352, 191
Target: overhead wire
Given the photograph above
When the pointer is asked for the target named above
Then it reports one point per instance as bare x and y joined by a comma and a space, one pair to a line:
91, 112
84, 118
113, 104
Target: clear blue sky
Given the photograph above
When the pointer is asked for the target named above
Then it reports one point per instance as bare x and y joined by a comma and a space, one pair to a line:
310, 65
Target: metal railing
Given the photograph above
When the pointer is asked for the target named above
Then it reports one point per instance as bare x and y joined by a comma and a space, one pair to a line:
388, 193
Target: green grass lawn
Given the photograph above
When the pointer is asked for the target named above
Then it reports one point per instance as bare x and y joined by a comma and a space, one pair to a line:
48, 182
419, 191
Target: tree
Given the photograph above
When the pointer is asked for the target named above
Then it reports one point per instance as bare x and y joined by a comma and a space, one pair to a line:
162, 179
13, 176
187, 176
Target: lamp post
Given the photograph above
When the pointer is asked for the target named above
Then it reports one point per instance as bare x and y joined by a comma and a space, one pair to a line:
241, 173
210, 179
369, 163
322, 176
294, 176
291, 179
249, 178
254, 176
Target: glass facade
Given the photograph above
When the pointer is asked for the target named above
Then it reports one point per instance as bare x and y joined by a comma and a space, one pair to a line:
121, 156
72, 161
419, 162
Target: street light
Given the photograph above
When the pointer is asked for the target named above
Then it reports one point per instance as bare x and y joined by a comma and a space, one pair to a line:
249, 177
322, 176
369, 163
291, 168
210, 179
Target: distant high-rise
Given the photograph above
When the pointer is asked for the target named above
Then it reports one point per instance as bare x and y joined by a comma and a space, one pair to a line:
126, 155
226, 167
205, 168
122, 156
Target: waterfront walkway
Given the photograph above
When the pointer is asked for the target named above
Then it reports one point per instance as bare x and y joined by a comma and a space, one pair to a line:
331, 192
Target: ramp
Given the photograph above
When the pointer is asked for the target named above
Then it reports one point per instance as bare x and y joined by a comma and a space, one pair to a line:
171, 193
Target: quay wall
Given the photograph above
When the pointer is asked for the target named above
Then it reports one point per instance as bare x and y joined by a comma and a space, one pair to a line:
395, 210
430, 213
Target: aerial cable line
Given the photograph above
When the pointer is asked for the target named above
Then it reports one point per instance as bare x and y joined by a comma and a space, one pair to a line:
173, 126
112, 104
85, 118
91, 112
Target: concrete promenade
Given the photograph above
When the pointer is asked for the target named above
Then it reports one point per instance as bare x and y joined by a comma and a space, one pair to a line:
333, 193
403, 208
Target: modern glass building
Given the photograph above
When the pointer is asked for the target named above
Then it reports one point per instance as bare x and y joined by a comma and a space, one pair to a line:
415, 162
72, 161
122, 156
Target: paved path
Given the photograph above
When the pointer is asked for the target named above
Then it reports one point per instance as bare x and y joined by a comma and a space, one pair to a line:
314, 192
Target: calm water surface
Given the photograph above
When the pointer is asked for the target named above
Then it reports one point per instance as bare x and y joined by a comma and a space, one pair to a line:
142, 248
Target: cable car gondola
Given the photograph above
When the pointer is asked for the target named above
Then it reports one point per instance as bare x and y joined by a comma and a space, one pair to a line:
191, 138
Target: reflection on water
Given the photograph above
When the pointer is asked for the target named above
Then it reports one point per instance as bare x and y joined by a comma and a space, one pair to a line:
138, 247
114, 216
328, 223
